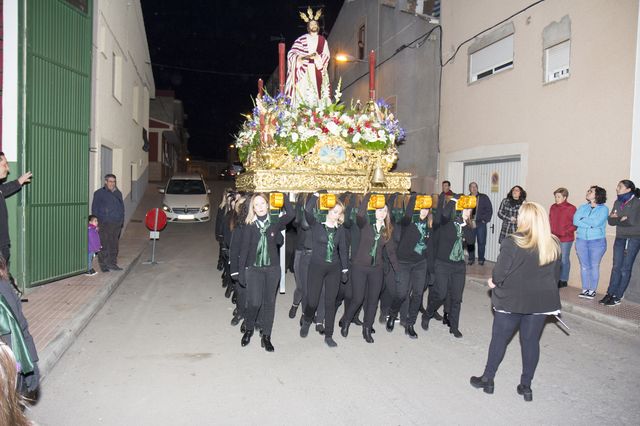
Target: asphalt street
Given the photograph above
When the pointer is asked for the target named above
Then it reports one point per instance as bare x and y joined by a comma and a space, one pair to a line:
162, 352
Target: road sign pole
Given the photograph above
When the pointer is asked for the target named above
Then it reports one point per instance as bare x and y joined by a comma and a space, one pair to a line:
154, 235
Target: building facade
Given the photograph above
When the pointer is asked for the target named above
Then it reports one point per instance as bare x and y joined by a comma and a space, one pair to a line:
168, 138
547, 98
122, 86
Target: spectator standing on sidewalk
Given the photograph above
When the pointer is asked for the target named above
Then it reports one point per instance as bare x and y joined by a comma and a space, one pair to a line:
94, 245
7, 189
109, 208
481, 215
591, 221
561, 219
524, 291
508, 211
626, 218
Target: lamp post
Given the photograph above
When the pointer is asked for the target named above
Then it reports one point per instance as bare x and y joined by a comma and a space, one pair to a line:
344, 58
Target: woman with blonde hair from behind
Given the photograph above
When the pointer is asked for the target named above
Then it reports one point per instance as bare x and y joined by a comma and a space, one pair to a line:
11, 402
525, 291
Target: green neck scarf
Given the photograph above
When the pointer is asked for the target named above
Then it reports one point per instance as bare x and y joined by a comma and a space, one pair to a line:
457, 253
331, 232
9, 324
262, 253
376, 237
421, 246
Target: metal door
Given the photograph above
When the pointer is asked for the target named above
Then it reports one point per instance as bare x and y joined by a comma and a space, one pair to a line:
57, 103
505, 174
106, 161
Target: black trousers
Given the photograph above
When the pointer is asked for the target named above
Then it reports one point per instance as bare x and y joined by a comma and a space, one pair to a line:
301, 272
388, 289
109, 236
449, 284
323, 276
504, 327
412, 279
262, 286
365, 281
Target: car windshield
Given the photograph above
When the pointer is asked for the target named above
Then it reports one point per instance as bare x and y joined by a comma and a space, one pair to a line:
186, 186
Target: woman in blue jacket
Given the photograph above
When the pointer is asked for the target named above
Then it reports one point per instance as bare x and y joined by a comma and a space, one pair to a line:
591, 221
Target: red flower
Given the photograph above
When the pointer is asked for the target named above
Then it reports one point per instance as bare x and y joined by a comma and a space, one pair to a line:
350, 131
325, 130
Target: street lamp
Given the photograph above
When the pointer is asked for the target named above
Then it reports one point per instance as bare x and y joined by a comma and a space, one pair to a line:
343, 58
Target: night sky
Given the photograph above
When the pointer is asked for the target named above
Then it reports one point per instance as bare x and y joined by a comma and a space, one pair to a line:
230, 43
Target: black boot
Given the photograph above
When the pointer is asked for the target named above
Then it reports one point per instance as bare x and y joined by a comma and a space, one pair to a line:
293, 310
344, 328
246, 337
525, 391
235, 320
411, 332
266, 343
456, 333
482, 383
445, 319
390, 323
425, 322
330, 342
437, 316
383, 318
304, 329
366, 333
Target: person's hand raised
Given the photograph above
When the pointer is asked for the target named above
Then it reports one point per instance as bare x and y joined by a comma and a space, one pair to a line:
25, 178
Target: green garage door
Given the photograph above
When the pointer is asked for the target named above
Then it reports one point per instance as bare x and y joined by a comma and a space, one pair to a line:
56, 145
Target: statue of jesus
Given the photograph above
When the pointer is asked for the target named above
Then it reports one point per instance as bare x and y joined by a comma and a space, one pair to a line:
307, 61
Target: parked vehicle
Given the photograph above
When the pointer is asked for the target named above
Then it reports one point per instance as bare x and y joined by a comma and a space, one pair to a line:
231, 172
186, 199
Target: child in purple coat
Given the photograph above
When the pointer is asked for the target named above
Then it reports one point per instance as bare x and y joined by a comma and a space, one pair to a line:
94, 243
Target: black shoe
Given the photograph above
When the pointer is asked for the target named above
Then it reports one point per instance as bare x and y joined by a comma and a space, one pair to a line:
320, 328
373, 330
605, 299
344, 328
91, 272
525, 391
227, 292
437, 316
304, 329
411, 332
391, 321
104, 269
243, 326
246, 337
330, 342
366, 333
234, 298
383, 318
266, 343
482, 383
356, 321
562, 284
293, 310
456, 333
115, 268
480, 262
220, 266
445, 319
425, 322
471, 262
235, 320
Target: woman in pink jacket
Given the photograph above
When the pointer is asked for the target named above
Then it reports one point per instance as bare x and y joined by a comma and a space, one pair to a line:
561, 219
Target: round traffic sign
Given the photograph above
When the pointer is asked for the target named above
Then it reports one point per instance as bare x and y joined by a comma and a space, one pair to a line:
155, 220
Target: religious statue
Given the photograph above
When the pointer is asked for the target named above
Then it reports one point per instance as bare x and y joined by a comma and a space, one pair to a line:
307, 62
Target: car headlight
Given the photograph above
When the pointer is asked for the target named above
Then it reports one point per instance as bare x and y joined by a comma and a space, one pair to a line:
166, 208
205, 208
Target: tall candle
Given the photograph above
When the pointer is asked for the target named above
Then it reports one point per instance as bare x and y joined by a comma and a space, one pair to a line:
281, 67
260, 87
372, 75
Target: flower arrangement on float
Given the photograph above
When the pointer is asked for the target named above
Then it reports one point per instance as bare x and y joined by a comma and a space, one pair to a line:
275, 122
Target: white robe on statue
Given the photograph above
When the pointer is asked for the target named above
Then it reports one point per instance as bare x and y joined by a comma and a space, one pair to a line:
307, 79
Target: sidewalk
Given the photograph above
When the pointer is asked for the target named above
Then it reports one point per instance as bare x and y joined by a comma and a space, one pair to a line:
625, 316
57, 312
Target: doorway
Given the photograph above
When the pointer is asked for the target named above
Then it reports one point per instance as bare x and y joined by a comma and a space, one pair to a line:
494, 178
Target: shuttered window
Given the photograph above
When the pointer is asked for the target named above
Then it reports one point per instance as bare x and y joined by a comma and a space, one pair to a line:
492, 59
556, 59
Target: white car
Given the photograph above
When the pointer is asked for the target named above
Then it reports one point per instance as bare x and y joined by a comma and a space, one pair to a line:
186, 199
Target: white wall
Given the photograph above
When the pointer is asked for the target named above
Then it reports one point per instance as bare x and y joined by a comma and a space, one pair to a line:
10, 81
119, 30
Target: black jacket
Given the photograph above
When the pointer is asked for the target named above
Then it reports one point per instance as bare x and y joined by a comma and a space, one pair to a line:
484, 210
6, 189
320, 239
108, 206
410, 236
523, 286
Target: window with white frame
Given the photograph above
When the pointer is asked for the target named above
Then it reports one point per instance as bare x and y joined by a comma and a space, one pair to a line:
491, 59
556, 61
117, 77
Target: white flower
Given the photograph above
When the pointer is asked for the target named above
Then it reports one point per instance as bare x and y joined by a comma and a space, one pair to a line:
294, 137
333, 128
357, 137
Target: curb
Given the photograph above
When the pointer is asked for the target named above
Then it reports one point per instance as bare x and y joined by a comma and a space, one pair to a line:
52, 353
571, 308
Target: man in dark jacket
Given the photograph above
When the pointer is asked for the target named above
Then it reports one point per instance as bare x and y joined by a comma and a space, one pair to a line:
7, 189
481, 216
109, 208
